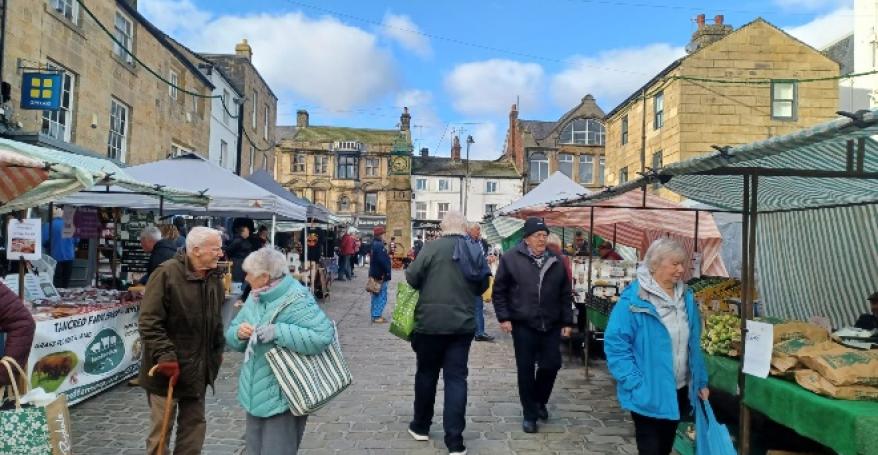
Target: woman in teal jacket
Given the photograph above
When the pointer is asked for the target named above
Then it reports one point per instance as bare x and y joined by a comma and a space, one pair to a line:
653, 350
301, 326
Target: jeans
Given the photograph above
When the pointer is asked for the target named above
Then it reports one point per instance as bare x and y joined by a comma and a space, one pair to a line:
656, 436
344, 268
379, 300
532, 346
480, 316
449, 353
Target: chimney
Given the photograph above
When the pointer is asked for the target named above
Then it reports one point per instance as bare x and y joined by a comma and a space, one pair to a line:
455, 149
302, 119
708, 33
405, 120
425, 152
243, 49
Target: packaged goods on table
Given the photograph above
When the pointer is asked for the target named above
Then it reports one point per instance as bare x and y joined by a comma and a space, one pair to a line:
80, 301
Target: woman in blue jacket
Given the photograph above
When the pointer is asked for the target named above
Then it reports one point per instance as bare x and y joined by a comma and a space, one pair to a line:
653, 350
301, 326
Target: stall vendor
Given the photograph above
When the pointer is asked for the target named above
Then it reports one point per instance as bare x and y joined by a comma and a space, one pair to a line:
159, 249
63, 249
607, 252
869, 321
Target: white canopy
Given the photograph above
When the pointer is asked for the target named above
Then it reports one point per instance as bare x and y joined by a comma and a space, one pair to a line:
557, 187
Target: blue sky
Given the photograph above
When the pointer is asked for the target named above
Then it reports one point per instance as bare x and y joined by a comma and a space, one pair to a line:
460, 65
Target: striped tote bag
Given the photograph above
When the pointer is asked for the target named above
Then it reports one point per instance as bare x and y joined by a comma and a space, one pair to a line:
309, 382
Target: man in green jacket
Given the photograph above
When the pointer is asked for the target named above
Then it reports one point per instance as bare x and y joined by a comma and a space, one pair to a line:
445, 323
182, 334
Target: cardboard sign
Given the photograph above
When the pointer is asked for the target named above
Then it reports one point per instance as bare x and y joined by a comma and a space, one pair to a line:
24, 240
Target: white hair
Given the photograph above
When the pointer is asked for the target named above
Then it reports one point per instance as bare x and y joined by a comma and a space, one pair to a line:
151, 232
553, 239
199, 235
266, 260
661, 249
475, 226
453, 223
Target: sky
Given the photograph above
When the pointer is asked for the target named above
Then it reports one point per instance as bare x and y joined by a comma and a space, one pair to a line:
460, 65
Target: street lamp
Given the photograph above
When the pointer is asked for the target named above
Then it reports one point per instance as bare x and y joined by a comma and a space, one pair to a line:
469, 140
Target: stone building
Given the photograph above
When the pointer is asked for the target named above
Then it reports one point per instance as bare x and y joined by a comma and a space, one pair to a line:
259, 109
573, 144
111, 105
684, 118
351, 171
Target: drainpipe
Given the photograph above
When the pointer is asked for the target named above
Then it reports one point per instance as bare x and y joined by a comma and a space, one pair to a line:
240, 102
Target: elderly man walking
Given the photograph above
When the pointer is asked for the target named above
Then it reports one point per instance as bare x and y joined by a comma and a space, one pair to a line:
182, 334
533, 300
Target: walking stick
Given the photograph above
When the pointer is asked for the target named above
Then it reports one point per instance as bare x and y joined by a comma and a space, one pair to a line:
166, 419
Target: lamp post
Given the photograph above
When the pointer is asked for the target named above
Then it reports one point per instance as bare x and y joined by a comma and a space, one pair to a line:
469, 140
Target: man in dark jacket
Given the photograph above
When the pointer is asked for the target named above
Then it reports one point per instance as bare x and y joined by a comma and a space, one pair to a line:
18, 325
533, 300
182, 334
475, 233
444, 327
379, 269
159, 249
869, 321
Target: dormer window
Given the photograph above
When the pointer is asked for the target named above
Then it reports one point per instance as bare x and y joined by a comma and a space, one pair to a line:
347, 146
582, 131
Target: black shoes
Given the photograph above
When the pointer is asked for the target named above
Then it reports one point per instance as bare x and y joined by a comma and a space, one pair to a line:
529, 426
485, 337
543, 413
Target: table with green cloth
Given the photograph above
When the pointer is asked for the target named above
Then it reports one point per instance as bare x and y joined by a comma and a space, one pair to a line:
848, 427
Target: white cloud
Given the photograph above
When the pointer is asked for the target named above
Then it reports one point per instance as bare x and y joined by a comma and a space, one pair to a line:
825, 29
603, 77
488, 143
491, 86
401, 29
320, 60
427, 127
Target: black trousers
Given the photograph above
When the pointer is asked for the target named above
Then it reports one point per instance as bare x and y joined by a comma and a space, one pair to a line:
535, 347
449, 353
63, 272
656, 436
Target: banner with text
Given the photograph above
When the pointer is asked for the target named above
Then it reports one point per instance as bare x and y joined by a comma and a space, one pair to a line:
85, 354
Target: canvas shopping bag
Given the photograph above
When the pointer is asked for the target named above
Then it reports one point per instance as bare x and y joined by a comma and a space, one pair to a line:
403, 322
33, 430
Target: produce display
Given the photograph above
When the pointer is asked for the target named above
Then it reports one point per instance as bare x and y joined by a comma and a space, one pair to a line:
82, 300
722, 335
711, 289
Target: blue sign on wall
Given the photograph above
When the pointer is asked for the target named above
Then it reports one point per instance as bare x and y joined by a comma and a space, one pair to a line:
41, 91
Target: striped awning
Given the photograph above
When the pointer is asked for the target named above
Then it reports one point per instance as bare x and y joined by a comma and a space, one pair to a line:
19, 174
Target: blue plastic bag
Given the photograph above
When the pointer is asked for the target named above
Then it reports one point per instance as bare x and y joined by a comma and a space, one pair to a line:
711, 437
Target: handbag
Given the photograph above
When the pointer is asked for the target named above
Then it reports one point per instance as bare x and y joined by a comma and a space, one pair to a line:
711, 437
373, 286
42, 430
309, 382
403, 321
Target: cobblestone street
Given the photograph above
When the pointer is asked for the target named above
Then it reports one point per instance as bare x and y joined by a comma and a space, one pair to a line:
372, 416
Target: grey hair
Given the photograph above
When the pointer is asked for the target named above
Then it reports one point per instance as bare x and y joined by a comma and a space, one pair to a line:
198, 235
266, 260
475, 225
662, 249
553, 239
151, 232
453, 223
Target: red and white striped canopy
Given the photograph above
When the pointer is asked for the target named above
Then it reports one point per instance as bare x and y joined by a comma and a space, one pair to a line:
638, 228
19, 174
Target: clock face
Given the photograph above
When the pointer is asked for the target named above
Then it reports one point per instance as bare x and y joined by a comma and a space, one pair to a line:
400, 165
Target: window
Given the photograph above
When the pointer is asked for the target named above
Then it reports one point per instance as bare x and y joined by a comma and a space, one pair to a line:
421, 184
490, 186
117, 143
602, 165
565, 164
490, 209
656, 164
319, 197
298, 164
371, 205
784, 100
583, 132
68, 9
444, 185
623, 175
586, 169
346, 168
175, 81
265, 124
420, 210
539, 167
624, 130
195, 102
225, 102
344, 203
372, 165
224, 151
658, 104
443, 209
264, 162
123, 30
255, 104
252, 157
59, 124
321, 164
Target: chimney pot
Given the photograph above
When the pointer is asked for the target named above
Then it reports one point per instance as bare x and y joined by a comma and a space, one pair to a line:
425, 152
718, 20
700, 20
243, 49
455, 149
302, 119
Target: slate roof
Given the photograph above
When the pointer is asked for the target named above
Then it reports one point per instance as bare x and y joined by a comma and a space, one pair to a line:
337, 133
538, 128
842, 51
444, 166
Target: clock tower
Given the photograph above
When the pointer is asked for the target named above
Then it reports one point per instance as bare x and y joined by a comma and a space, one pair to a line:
399, 188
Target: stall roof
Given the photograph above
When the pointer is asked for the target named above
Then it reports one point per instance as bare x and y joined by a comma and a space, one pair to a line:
70, 172
267, 182
557, 186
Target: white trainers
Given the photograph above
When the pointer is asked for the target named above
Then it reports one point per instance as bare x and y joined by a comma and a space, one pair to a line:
458, 453
420, 437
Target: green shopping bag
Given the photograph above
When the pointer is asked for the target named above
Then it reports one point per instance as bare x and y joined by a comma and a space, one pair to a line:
403, 322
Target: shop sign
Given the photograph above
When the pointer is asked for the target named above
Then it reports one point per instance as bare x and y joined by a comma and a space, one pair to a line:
41, 91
